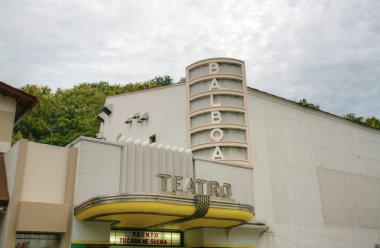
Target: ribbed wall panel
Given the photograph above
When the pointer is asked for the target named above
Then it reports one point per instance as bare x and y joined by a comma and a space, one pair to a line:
146, 169
153, 166
168, 158
129, 165
143, 161
138, 167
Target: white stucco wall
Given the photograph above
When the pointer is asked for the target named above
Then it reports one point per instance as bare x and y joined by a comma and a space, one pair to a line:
97, 174
84, 231
98, 169
239, 177
167, 115
107, 168
316, 176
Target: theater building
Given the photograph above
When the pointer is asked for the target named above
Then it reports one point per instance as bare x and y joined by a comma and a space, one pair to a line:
207, 163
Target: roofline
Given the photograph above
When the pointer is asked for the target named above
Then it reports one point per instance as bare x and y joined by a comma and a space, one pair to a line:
25, 101
94, 140
224, 59
11, 91
150, 89
313, 109
262, 92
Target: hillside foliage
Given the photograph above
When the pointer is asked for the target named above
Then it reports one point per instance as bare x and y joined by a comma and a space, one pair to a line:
62, 116
369, 121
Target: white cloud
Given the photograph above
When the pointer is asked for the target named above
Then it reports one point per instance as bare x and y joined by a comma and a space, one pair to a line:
325, 51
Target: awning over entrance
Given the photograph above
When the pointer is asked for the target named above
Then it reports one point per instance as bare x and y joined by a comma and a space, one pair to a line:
150, 211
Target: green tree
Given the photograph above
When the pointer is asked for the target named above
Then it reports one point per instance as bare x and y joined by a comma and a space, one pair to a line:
372, 122
16, 137
369, 121
63, 116
304, 102
162, 81
182, 80
354, 118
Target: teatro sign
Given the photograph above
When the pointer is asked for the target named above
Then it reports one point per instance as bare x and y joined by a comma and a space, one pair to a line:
145, 238
191, 186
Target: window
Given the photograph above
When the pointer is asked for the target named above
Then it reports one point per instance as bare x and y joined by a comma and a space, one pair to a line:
152, 139
37, 240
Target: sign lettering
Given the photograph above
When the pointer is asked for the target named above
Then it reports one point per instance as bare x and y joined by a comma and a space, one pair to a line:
213, 68
176, 182
214, 85
193, 186
216, 117
150, 238
189, 186
216, 134
217, 153
212, 102
200, 183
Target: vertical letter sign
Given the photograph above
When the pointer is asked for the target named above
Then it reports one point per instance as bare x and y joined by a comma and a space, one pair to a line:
218, 128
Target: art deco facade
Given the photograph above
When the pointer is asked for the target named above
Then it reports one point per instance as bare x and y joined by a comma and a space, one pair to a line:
207, 163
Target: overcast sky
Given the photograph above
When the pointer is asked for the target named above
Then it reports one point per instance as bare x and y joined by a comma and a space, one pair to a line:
325, 51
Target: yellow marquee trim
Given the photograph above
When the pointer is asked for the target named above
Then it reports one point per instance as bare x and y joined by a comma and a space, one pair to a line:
153, 211
160, 208
221, 213
135, 207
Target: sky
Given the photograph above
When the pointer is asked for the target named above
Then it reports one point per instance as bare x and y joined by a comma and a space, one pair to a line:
327, 52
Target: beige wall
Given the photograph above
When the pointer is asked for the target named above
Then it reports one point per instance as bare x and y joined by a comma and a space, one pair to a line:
7, 115
42, 217
41, 182
45, 174
7, 104
10, 159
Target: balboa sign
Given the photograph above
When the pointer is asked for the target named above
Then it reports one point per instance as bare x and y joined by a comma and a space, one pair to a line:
217, 110
145, 238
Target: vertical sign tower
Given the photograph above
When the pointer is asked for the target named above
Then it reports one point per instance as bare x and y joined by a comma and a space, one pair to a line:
217, 110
